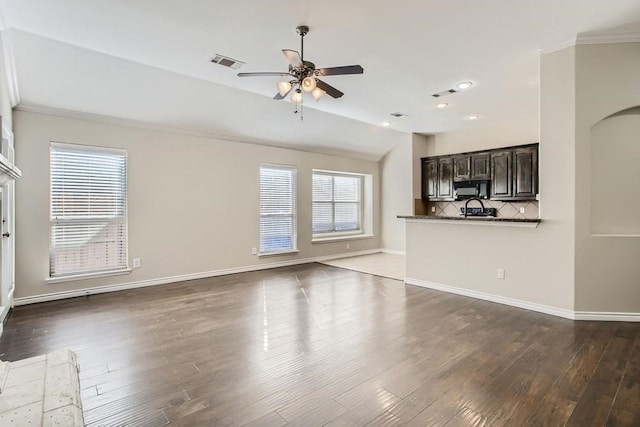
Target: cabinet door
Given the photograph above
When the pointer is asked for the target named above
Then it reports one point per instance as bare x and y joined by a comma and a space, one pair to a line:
480, 166
501, 174
461, 168
525, 172
445, 177
429, 179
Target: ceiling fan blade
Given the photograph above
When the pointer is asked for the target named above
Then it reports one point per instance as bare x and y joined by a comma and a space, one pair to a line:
335, 71
293, 57
264, 74
331, 91
279, 97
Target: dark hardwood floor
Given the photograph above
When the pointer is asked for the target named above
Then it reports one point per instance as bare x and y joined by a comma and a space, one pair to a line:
317, 345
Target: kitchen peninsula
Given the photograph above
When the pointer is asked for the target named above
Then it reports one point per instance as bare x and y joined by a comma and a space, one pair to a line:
474, 219
481, 254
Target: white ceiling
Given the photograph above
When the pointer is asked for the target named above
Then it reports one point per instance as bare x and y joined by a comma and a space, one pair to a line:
148, 60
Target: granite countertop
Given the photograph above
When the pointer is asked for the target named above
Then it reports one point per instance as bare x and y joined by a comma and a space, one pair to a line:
470, 218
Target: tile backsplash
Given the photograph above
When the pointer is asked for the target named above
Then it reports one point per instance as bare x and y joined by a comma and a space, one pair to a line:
504, 209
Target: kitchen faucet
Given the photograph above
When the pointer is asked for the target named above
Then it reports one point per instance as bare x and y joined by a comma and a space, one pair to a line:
467, 203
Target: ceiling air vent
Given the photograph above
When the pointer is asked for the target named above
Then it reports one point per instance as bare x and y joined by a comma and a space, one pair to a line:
399, 115
444, 93
227, 62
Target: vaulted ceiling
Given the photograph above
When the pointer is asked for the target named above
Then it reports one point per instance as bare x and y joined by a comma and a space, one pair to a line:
149, 61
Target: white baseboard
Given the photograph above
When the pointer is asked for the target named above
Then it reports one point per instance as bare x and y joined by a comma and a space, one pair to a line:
607, 316
567, 314
393, 251
345, 255
179, 278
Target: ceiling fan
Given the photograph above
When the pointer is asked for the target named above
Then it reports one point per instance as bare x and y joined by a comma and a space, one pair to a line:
304, 74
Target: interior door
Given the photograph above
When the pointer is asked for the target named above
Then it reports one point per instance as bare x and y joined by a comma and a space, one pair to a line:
7, 240
8, 247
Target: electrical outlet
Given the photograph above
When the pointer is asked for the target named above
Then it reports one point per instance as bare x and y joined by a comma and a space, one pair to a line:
348, 246
136, 263
501, 273
522, 209
433, 208
254, 251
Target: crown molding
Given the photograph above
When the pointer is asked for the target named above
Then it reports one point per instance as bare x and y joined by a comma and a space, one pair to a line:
627, 37
10, 68
587, 39
559, 46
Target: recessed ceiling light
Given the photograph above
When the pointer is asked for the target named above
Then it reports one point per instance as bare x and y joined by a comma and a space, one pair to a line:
386, 124
464, 85
442, 105
474, 117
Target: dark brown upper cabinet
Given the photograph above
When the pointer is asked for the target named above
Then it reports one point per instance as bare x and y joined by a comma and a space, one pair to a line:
445, 178
513, 172
437, 178
525, 172
480, 166
429, 178
501, 174
471, 166
461, 168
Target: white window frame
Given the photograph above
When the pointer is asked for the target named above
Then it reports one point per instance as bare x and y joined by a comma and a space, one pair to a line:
364, 199
294, 211
120, 268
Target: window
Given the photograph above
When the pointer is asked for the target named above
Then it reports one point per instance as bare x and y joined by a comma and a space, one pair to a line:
88, 210
277, 209
337, 203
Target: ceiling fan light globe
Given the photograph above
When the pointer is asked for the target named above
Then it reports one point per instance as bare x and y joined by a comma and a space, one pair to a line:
317, 93
284, 88
296, 98
309, 84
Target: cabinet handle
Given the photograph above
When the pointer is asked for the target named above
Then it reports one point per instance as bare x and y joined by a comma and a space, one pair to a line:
6, 234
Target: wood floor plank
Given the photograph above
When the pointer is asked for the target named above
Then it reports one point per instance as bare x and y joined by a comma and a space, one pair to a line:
595, 403
625, 408
315, 345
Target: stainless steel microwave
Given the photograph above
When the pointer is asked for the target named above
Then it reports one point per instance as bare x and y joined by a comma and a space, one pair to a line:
463, 190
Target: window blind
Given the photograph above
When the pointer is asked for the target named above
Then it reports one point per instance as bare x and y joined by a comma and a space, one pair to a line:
336, 202
88, 209
277, 209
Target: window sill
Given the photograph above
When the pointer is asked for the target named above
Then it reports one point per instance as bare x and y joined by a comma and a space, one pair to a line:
341, 238
74, 277
268, 254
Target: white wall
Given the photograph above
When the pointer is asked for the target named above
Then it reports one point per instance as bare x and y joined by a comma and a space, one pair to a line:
539, 262
193, 201
607, 267
396, 194
615, 171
